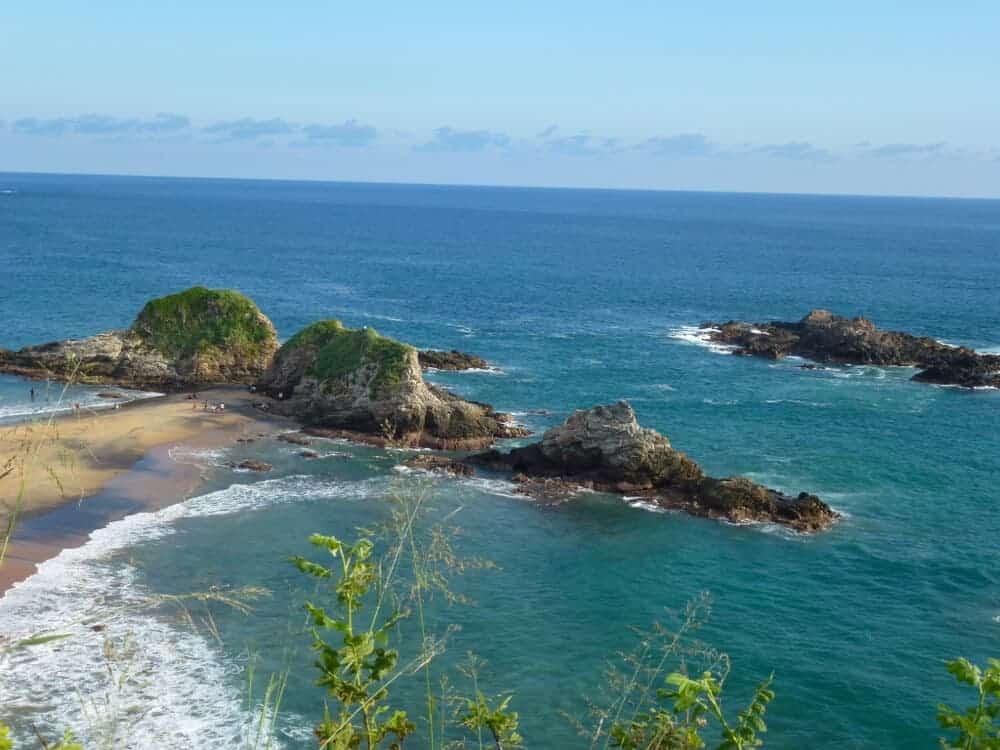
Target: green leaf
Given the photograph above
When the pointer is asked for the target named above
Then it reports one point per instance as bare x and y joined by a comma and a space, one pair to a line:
331, 543
965, 671
40, 639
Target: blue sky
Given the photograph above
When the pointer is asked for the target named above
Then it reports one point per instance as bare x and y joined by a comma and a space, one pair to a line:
876, 97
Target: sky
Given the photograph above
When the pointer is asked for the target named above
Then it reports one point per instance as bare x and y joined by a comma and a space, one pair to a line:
898, 98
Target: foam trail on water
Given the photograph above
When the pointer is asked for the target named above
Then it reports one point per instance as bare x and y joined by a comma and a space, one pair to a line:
185, 692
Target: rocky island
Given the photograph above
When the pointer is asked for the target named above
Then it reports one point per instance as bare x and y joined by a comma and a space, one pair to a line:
825, 337
356, 383
604, 448
193, 338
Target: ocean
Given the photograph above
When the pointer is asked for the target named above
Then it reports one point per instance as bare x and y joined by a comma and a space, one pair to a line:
578, 297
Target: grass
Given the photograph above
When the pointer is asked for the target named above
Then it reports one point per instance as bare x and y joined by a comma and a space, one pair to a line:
340, 351
199, 319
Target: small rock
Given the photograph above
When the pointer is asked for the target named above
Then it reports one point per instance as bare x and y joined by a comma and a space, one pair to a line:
456, 361
251, 464
431, 462
548, 491
294, 438
309, 454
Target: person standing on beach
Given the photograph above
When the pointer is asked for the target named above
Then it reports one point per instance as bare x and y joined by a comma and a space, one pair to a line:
32, 394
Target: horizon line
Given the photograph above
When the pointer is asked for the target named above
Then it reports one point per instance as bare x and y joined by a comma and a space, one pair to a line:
503, 186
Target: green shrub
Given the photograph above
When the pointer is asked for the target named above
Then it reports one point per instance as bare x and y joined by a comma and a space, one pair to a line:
339, 351
196, 320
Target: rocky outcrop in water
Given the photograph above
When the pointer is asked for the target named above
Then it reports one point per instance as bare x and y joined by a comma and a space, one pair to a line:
251, 464
825, 337
197, 337
454, 360
439, 464
604, 448
356, 383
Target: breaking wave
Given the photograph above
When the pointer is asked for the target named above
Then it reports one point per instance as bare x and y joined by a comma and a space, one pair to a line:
189, 694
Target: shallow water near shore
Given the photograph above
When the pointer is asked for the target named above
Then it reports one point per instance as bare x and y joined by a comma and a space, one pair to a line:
578, 297
55, 399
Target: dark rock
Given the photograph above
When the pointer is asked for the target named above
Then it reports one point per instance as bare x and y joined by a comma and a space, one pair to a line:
825, 337
432, 359
251, 464
309, 454
548, 490
604, 445
294, 438
363, 386
109, 394
605, 449
432, 462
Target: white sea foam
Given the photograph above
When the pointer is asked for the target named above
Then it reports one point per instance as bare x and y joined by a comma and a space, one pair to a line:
500, 487
720, 402
475, 370
189, 693
799, 402
700, 337
966, 388
376, 316
644, 503
88, 401
204, 457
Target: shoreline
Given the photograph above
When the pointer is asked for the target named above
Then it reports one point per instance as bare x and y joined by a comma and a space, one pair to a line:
95, 468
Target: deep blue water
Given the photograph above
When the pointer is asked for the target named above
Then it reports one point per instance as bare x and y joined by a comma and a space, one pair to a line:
580, 297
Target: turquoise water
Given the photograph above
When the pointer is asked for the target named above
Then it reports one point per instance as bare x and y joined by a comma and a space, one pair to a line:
579, 297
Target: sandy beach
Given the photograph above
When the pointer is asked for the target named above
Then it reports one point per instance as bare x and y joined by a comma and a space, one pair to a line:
53, 466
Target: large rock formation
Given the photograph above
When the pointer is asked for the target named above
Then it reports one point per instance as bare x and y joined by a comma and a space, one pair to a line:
825, 337
196, 337
604, 448
356, 380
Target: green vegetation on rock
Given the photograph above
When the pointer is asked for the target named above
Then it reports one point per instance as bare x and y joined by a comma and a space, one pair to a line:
340, 351
199, 319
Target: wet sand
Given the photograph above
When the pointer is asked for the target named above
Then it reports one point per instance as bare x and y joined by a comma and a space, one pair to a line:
81, 472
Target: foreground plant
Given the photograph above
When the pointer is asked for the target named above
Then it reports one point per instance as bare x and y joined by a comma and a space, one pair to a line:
357, 670
356, 664
978, 727
494, 722
687, 708
501, 724
66, 743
